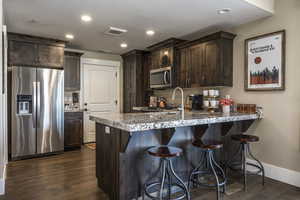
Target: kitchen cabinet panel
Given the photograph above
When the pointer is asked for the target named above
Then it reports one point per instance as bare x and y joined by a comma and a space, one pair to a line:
183, 76
196, 62
155, 60
206, 62
22, 53
210, 69
72, 71
50, 56
163, 54
73, 130
134, 75
25, 50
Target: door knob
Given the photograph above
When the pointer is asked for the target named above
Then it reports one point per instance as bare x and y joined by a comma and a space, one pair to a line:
85, 109
85, 104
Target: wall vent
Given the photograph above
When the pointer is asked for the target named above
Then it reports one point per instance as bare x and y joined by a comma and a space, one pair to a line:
115, 31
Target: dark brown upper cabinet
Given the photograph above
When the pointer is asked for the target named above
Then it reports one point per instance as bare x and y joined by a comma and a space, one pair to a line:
21, 53
49, 55
206, 62
163, 54
135, 79
25, 50
72, 71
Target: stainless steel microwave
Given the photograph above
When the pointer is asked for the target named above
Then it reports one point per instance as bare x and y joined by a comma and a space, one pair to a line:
161, 78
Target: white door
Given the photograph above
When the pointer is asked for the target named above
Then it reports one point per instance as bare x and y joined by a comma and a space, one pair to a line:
100, 95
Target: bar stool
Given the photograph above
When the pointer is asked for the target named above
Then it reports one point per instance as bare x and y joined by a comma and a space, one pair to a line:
244, 151
208, 166
167, 182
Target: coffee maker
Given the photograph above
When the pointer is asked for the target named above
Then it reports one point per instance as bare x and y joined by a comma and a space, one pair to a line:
195, 102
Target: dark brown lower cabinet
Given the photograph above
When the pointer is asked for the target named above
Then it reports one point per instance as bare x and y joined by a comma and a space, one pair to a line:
73, 130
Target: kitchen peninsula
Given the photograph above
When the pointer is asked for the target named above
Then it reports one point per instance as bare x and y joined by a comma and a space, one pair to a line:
122, 162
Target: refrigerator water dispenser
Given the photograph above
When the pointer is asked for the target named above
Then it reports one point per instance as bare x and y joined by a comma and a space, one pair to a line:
24, 103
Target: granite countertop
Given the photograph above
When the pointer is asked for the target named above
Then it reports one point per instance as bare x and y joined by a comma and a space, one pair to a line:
148, 109
74, 110
133, 122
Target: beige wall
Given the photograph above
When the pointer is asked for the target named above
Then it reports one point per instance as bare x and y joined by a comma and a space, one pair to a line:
280, 130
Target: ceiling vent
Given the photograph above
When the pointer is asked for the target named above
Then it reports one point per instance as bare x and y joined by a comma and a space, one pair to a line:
115, 31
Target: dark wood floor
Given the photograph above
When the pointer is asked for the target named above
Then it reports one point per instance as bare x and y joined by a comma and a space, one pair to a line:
71, 176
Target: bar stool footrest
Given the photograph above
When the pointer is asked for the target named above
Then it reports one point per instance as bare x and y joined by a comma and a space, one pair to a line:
196, 181
177, 192
237, 167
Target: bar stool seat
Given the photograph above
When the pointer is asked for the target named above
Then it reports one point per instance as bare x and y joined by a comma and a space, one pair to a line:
164, 188
245, 138
208, 144
165, 151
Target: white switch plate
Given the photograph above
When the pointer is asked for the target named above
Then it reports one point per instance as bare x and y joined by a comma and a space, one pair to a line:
107, 130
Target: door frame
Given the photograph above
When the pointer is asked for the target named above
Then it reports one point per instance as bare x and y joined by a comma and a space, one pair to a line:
107, 63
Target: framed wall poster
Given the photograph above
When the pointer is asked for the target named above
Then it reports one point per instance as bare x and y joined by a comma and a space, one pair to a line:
265, 62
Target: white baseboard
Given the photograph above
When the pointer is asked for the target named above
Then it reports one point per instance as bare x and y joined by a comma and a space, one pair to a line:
2, 186
280, 174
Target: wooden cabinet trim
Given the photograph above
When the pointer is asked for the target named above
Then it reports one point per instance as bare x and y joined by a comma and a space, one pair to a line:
165, 44
35, 39
214, 36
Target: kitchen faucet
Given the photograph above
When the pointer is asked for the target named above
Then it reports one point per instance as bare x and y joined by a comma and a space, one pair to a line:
182, 102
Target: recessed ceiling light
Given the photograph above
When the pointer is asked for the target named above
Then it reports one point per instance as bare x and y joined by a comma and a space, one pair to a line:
150, 32
69, 36
224, 10
86, 18
123, 45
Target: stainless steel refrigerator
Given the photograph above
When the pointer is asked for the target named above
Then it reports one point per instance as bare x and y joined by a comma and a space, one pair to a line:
37, 111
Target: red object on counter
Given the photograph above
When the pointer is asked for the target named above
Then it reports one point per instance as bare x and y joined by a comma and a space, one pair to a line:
226, 102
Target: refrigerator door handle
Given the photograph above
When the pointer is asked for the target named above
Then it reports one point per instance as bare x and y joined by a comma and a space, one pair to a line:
38, 105
34, 105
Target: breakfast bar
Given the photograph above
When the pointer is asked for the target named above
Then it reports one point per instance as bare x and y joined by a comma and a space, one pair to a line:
122, 163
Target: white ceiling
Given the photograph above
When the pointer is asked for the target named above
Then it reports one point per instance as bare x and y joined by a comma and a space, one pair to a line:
169, 18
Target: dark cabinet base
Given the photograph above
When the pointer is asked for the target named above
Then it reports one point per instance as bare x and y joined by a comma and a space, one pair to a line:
73, 130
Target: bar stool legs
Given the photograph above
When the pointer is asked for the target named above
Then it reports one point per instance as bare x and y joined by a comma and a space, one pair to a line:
179, 180
166, 180
244, 151
260, 166
211, 167
169, 178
